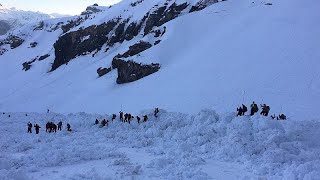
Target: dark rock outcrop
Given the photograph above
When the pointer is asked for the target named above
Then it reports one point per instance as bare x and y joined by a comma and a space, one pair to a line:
202, 4
43, 57
91, 10
163, 15
27, 65
119, 34
157, 42
39, 27
13, 41
33, 44
129, 71
136, 49
133, 4
72, 44
73, 23
103, 71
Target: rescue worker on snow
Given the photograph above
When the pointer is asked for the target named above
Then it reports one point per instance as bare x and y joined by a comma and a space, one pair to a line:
68, 127
113, 117
254, 108
145, 118
121, 116
59, 126
244, 109
37, 127
156, 111
138, 119
29, 127
239, 111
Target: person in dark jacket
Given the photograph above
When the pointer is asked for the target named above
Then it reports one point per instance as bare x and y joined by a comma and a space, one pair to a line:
97, 121
239, 111
121, 116
244, 109
103, 123
113, 117
145, 118
29, 127
53, 127
59, 126
138, 119
156, 111
37, 127
282, 117
254, 108
69, 127
48, 127
267, 110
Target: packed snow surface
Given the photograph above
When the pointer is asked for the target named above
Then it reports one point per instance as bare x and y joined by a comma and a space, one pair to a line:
174, 145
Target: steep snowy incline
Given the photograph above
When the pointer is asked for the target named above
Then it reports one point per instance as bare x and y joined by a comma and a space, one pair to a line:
174, 146
230, 53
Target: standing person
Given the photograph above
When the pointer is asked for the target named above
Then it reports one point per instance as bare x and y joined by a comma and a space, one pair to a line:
37, 127
138, 119
59, 126
126, 116
103, 123
156, 111
264, 109
53, 127
239, 111
29, 127
267, 110
48, 110
282, 117
68, 127
145, 118
121, 116
244, 109
254, 108
113, 117
48, 127
97, 121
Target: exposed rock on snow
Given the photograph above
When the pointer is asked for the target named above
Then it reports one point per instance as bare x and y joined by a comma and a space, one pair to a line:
129, 71
136, 49
13, 41
103, 71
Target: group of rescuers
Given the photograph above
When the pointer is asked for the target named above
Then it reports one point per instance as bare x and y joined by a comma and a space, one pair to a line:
254, 109
127, 118
52, 127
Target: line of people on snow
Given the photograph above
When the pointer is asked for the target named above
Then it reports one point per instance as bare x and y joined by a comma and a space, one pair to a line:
126, 118
254, 109
50, 127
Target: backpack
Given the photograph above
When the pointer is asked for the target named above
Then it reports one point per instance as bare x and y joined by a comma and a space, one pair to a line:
244, 108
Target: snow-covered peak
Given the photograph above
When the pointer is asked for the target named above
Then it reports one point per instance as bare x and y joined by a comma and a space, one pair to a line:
12, 18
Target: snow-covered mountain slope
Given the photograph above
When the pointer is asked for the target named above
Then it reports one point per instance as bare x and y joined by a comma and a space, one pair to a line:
210, 54
11, 18
174, 146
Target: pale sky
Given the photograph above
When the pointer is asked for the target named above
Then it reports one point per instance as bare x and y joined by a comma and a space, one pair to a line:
71, 7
